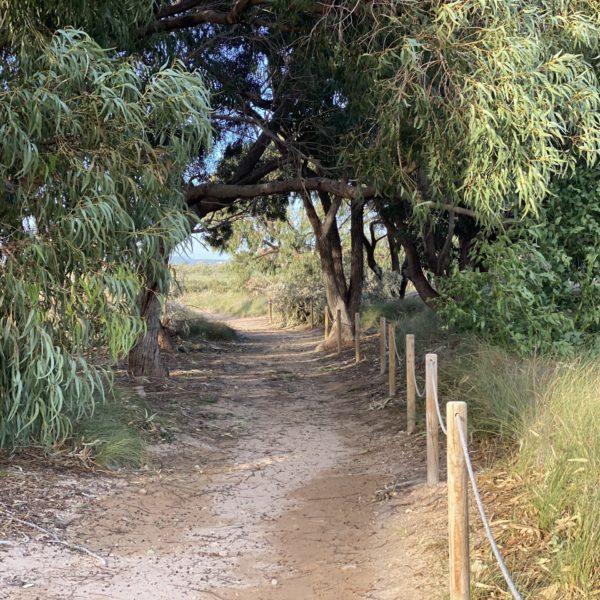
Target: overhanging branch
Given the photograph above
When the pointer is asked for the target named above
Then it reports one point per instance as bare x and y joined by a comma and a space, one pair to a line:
207, 197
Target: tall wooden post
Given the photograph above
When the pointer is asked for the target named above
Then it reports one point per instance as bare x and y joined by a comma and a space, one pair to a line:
339, 330
357, 336
392, 358
382, 332
411, 404
312, 315
326, 333
458, 506
433, 447
271, 312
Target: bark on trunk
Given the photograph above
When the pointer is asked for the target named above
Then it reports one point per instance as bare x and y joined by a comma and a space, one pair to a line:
371, 261
415, 271
412, 261
404, 281
340, 296
145, 358
357, 267
395, 261
165, 344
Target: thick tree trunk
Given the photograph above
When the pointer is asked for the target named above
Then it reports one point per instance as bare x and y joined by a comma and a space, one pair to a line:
340, 296
404, 281
165, 344
395, 261
334, 280
144, 357
357, 266
415, 271
412, 268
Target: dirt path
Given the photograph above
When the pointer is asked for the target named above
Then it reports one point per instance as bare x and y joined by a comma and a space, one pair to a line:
269, 491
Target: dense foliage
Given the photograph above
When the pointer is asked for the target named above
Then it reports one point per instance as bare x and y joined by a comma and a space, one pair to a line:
538, 285
92, 150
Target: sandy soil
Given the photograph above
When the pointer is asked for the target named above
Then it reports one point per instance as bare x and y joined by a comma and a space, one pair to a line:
284, 481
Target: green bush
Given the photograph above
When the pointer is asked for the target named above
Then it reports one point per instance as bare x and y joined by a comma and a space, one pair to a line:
538, 290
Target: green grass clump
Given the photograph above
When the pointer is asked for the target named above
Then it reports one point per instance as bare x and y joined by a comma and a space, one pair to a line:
112, 436
499, 387
209, 330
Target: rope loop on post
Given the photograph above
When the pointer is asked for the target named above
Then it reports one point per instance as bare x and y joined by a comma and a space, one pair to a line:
437, 406
483, 515
420, 393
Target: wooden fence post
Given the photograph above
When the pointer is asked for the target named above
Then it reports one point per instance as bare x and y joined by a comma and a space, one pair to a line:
382, 328
433, 448
392, 358
357, 336
271, 312
326, 333
339, 331
411, 406
458, 508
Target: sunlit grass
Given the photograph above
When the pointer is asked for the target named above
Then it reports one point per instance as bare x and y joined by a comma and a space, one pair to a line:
213, 288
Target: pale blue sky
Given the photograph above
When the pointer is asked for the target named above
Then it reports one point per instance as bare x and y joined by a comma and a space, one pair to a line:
194, 250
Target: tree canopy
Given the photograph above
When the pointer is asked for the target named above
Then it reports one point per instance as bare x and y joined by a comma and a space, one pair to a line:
453, 122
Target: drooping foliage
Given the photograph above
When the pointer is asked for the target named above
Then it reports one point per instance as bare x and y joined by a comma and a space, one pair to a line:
92, 151
476, 103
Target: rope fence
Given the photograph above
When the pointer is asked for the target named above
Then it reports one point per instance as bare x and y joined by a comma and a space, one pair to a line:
420, 393
460, 467
460, 471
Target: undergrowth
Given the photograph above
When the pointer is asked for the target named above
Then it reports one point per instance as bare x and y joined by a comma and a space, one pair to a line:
411, 316
189, 325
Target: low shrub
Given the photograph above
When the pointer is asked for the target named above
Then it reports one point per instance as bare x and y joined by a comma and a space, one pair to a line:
189, 325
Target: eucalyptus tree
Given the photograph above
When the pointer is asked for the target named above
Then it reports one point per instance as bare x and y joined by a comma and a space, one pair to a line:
93, 146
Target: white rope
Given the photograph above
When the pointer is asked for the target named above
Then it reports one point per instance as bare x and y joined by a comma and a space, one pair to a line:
437, 406
414, 378
481, 508
397, 355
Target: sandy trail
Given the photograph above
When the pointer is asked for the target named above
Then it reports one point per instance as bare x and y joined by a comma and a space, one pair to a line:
267, 492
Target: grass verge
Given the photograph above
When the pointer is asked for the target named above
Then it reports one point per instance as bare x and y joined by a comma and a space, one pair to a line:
545, 490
